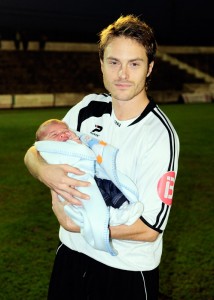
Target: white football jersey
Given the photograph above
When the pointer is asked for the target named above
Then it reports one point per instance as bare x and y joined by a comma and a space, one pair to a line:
148, 153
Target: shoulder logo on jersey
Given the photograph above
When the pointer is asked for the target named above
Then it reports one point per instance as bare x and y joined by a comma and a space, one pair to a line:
98, 128
166, 187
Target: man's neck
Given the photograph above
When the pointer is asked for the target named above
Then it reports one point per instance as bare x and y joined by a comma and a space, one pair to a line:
126, 110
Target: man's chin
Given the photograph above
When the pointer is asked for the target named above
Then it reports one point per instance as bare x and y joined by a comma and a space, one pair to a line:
121, 96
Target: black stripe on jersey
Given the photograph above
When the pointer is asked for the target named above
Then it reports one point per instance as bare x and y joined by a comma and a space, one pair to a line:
94, 109
159, 215
165, 122
165, 208
159, 223
162, 215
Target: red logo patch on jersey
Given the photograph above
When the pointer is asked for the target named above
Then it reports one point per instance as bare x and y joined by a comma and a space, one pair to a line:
166, 187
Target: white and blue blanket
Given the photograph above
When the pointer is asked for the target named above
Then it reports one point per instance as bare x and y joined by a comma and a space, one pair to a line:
94, 157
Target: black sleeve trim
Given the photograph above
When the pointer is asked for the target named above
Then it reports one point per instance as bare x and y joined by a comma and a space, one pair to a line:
149, 225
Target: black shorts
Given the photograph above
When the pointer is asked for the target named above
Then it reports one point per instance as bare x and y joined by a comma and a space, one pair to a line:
78, 277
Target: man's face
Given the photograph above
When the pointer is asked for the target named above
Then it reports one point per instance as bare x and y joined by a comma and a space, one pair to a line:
125, 68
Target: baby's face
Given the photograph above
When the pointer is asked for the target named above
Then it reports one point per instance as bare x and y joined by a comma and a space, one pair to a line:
60, 132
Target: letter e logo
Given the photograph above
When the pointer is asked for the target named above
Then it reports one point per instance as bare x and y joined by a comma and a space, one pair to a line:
166, 187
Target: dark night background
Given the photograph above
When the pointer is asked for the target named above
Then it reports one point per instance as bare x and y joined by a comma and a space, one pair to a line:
176, 22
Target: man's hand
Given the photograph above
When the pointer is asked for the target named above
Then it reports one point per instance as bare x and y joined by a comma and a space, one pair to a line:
56, 177
64, 220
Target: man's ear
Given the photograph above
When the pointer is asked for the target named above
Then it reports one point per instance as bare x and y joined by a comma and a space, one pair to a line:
151, 65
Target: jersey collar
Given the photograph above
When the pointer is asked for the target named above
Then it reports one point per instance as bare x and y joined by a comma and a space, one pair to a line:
151, 105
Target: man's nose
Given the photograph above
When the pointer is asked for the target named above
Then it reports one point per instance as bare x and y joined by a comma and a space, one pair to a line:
123, 72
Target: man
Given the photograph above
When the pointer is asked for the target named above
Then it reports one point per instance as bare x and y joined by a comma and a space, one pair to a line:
148, 153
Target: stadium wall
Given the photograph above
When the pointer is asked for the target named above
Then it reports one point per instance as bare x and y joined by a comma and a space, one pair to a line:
202, 94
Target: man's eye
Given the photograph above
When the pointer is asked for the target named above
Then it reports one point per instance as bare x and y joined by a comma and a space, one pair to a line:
113, 62
134, 64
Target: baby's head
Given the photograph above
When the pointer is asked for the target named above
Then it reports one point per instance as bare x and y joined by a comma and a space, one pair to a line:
55, 130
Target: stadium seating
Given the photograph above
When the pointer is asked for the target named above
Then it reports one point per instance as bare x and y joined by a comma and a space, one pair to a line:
65, 72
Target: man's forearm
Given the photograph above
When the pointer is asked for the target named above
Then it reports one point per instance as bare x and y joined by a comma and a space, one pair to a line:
135, 232
33, 161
